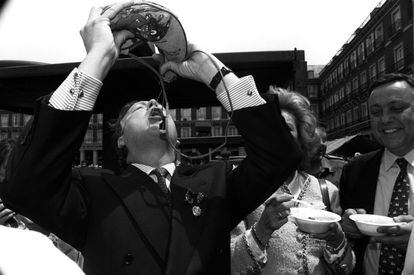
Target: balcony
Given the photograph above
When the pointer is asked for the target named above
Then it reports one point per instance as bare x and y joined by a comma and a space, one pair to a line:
395, 27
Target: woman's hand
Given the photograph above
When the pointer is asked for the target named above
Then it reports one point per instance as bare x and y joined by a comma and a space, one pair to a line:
349, 226
5, 214
274, 215
334, 237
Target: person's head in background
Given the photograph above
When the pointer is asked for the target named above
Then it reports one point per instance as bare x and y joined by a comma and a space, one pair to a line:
6, 145
299, 118
391, 108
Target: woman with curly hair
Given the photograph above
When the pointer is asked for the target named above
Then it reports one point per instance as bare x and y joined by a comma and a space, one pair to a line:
268, 241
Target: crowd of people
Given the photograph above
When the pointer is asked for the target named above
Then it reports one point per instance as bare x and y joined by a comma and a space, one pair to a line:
158, 217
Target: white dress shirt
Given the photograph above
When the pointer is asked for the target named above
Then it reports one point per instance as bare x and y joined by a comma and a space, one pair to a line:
170, 167
388, 173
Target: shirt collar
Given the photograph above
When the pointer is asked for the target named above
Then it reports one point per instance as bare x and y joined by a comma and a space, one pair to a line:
390, 158
170, 167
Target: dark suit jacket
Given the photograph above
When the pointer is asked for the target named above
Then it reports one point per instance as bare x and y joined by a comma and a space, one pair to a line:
357, 189
122, 223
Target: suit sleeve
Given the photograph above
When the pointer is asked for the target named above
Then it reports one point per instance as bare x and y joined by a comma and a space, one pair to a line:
343, 186
272, 155
39, 182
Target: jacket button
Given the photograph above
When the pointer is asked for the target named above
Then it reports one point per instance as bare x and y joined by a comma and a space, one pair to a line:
128, 259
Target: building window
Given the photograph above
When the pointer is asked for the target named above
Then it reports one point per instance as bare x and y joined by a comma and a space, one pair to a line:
186, 114
340, 72
337, 122
314, 108
356, 113
4, 120
379, 35
343, 119
348, 116
348, 88
334, 77
99, 136
312, 91
99, 118
4, 135
216, 131
363, 78
369, 41
173, 113
201, 113
232, 131
361, 53
185, 132
88, 137
396, 20
15, 135
16, 120
399, 56
216, 112
346, 68
381, 66
372, 72
353, 60
355, 84
26, 118
364, 110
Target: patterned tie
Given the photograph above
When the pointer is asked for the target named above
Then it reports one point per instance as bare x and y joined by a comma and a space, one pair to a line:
392, 258
161, 173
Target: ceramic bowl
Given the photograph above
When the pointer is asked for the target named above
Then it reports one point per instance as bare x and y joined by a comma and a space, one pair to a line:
314, 221
368, 223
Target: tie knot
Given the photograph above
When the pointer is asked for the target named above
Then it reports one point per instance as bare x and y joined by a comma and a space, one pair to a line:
402, 163
160, 172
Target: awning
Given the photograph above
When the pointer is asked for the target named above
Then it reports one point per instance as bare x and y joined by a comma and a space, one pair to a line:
336, 143
349, 145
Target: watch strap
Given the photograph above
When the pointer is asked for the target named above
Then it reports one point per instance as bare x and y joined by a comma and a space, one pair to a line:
218, 77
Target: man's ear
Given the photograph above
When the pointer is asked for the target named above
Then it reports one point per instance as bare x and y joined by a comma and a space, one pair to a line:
121, 142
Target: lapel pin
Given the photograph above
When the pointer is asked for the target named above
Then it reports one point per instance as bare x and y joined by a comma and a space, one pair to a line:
196, 210
194, 199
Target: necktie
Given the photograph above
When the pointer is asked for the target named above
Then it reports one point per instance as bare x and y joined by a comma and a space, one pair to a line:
392, 258
161, 173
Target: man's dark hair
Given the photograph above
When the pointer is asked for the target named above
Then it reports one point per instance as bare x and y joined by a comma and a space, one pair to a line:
390, 78
116, 127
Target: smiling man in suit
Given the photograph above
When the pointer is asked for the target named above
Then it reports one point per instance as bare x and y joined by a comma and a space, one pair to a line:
154, 218
381, 182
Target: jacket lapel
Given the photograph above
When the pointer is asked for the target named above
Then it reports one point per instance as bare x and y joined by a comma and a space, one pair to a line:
147, 208
186, 228
369, 180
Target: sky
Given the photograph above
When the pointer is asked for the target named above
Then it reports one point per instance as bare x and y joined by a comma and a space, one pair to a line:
48, 30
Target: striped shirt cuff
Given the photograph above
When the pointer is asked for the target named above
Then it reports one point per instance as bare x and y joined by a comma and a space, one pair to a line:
243, 94
78, 92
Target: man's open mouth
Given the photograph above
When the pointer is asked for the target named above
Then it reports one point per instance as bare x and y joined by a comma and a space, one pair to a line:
157, 116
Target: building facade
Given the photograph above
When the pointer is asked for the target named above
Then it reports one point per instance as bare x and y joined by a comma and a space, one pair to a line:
90, 153
382, 44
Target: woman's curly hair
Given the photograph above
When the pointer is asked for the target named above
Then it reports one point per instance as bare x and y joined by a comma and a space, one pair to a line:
306, 122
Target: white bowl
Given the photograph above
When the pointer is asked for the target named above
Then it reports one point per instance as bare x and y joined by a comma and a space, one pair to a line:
313, 220
368, 223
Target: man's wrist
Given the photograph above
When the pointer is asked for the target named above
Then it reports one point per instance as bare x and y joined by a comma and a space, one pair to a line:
97, 64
